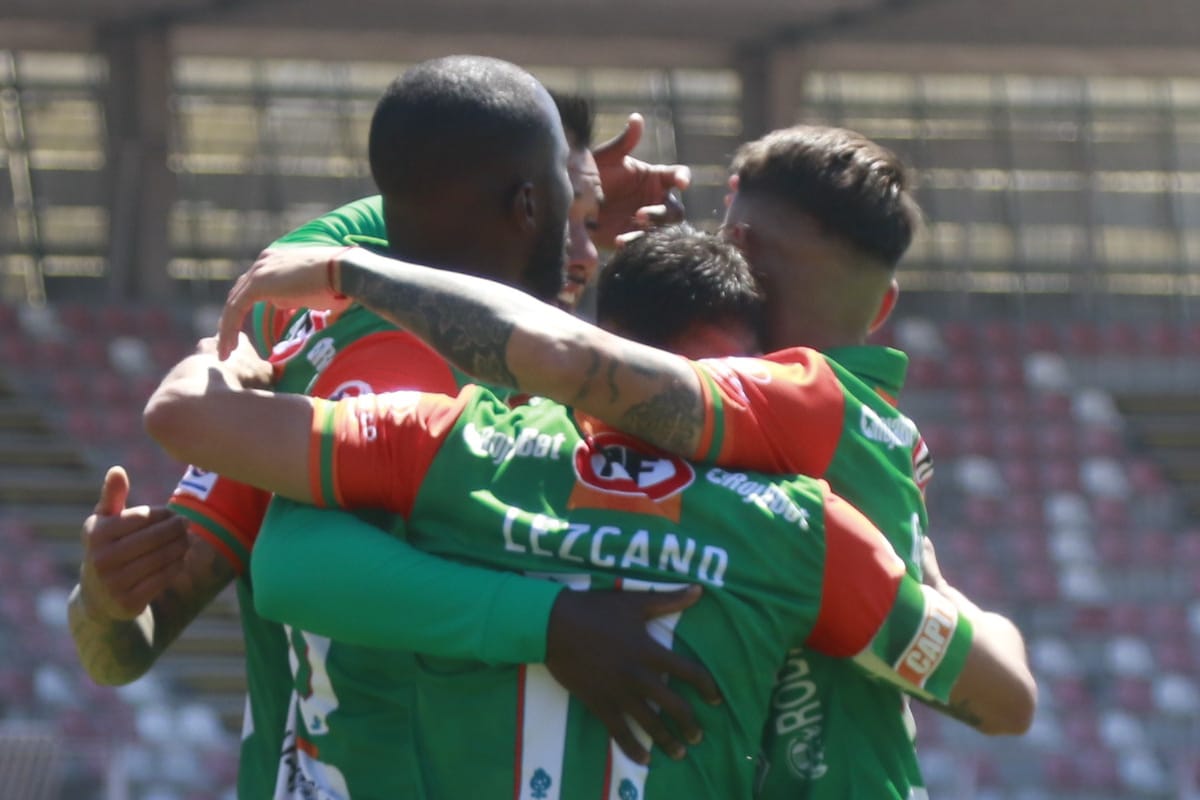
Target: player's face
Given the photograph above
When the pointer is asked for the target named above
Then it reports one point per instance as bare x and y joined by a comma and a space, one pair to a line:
543, 276
582, 257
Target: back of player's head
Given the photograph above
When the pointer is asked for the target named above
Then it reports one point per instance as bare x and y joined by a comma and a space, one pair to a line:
457, 119
664, 283
855, 189
578, 119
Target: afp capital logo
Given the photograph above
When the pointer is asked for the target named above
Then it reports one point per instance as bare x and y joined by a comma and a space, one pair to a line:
615, 463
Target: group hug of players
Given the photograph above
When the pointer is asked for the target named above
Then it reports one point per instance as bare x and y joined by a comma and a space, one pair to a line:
633, 560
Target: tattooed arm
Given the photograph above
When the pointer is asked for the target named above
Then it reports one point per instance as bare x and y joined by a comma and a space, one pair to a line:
143, 579
495, 333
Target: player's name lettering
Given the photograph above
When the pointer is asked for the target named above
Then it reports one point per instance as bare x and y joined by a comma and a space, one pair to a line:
892, 431
611, 547
500, 447
766, 495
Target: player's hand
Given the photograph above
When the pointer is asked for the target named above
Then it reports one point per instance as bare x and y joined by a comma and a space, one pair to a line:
637, 195
931, 572
597, 646
297, 277
251, 370
129, 554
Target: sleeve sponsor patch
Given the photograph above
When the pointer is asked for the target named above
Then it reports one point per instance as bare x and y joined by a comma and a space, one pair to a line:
928, 647
197, 483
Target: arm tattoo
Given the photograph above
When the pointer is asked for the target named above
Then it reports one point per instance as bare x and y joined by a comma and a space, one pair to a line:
672, 420
463, 331
115, 652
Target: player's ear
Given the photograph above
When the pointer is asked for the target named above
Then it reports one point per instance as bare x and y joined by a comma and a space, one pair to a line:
886, 305
523, 207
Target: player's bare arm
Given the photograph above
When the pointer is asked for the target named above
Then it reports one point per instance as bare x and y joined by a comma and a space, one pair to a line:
495, 333
206, 413
143, 579
996, 692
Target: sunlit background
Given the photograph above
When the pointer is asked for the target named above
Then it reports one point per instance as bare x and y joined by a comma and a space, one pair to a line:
1051, 307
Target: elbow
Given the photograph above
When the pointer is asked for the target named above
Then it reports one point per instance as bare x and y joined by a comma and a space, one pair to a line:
166, 421
1014, 716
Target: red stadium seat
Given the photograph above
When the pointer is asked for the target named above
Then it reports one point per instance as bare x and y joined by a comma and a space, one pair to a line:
1005, 371
959, 336
1037, 583
1041, 336
924, 372
1121, 338
999, 336
1082, 338
1161, 339
1052, 405
1012, 402
964, 371
1016, 440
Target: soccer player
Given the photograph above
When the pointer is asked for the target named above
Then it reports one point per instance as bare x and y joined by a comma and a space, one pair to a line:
824, 216
145, 575
551, 490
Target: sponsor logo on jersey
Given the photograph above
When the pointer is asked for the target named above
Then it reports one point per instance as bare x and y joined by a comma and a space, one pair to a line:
321, 354
540, 784
351, 389
892, 432
197, 482
927, 649
768, 496
798, 719
500, 446
615, 463
299, 332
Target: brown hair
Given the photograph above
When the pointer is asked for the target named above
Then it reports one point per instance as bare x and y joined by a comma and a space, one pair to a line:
669, 279
855, 189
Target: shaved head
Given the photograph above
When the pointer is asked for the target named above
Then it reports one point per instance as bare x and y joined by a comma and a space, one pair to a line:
469, 155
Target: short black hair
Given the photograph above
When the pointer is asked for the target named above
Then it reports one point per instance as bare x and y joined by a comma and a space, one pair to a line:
663, 282
855, 189
578, 118
445, 119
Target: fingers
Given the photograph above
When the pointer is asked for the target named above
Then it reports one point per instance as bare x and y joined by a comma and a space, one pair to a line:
114, 492
624, 142
671, 705
684, 669
617, 725
237, 305
141, 580
117, 541
679, 176
666, 213
653, 725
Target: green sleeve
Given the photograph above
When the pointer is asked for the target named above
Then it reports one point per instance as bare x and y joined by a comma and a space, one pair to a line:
362, 218
922, 646
335, 575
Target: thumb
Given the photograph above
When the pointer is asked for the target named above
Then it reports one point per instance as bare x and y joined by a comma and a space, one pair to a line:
658, 604
113, 493
624, 142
